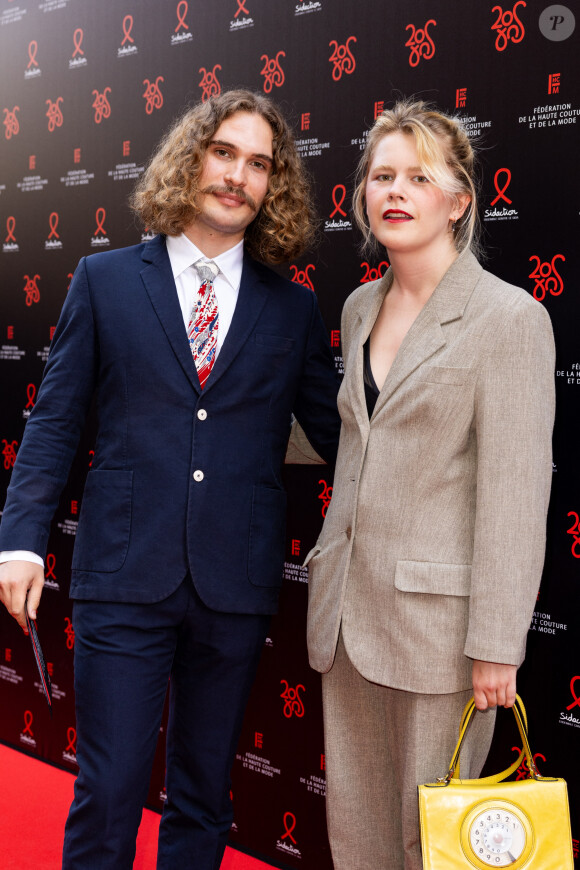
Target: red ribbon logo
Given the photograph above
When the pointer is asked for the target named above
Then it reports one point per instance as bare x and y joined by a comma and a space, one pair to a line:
547, 277
11, 122
303, 277
182, 7
30, 395
325, 496
78, 36
31, 290
153, 95
209, 83
54, 114
69, 633
10, 224
101, 105
508, 26
50, 563
9, 453
241, 8
100, 216
71, 736
420, 43
342, 58
576, 701
28, 717
127, 28
32, 49
501, 193
288, 828
272, 71
338, 188
53, 223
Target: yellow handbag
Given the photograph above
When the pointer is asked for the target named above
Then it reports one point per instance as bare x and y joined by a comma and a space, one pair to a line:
483, 823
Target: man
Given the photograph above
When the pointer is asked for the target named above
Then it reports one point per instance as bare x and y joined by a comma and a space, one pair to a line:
178, 557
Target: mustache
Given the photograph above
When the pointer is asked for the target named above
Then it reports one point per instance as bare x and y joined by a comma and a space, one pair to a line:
232, 191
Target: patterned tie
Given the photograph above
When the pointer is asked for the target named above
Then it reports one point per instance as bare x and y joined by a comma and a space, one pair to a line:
203, 321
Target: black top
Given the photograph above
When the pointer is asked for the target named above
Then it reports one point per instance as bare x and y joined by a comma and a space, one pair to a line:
371, 389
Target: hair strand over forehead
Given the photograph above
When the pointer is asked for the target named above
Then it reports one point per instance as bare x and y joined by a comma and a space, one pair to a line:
446, 157
165, 198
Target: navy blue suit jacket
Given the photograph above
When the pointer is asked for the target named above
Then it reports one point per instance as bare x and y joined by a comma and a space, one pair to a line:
147, 517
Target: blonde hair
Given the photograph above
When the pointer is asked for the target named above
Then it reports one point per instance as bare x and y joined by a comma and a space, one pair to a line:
446, 157
165, 197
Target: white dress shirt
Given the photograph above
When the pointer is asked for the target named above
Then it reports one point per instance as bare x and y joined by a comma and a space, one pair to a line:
182, 256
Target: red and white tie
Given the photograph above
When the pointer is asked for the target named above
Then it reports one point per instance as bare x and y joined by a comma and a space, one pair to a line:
203, 321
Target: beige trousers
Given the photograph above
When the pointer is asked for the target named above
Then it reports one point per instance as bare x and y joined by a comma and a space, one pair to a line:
380, 744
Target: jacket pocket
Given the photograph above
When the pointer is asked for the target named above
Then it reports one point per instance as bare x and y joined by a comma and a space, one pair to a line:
274, 342
102, 540
313, 552
267, 531
433, 578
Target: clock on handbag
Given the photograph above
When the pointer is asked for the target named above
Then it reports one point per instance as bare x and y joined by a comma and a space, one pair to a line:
497, 833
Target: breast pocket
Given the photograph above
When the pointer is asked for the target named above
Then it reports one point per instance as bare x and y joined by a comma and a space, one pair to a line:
273, 343
454, 376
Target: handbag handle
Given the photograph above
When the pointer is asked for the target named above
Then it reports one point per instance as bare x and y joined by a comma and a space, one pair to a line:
467, 716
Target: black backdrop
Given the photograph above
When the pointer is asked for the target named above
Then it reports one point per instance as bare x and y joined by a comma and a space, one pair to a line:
86, 91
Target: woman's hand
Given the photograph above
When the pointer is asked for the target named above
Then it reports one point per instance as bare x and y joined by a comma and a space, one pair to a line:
494, 684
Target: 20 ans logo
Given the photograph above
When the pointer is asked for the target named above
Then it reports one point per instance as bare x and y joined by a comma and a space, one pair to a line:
508, 25
11, 122
272, 71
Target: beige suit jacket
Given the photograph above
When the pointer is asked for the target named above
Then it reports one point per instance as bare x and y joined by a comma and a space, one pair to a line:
433, 545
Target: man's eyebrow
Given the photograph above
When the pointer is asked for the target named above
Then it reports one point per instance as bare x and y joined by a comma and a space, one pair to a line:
233, 147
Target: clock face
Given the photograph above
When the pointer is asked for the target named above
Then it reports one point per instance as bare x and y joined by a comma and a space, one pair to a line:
497, 834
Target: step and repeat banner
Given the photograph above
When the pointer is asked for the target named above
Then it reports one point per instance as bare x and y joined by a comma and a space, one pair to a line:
86, 90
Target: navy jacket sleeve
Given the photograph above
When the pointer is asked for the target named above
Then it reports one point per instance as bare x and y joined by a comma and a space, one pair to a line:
315, 406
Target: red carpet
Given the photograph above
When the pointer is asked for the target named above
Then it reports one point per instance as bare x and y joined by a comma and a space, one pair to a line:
34, 801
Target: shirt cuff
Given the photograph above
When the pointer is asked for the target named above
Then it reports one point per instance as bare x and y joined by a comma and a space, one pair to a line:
23, 555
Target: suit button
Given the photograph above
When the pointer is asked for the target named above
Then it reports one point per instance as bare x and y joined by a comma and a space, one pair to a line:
348, 532
202, 414
198, 475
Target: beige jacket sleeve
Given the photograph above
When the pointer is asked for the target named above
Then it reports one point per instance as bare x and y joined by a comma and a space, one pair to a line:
514, 411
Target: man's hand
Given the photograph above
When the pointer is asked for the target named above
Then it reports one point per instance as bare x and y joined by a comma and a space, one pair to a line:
17, 579
494, 684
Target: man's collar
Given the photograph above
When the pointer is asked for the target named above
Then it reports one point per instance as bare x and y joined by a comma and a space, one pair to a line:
183, 254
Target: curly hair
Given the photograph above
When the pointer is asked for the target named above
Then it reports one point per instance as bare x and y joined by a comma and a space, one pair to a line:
446, 157
165, 198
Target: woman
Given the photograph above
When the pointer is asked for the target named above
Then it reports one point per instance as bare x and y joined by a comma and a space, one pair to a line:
423, 581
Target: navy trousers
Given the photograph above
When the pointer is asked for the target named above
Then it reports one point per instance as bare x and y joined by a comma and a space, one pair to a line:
125, 654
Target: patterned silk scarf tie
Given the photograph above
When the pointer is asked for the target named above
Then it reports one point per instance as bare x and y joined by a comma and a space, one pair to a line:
203, 322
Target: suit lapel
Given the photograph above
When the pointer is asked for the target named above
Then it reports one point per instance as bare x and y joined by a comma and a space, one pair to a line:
365, 314
160, 286
424, 338
426, 335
